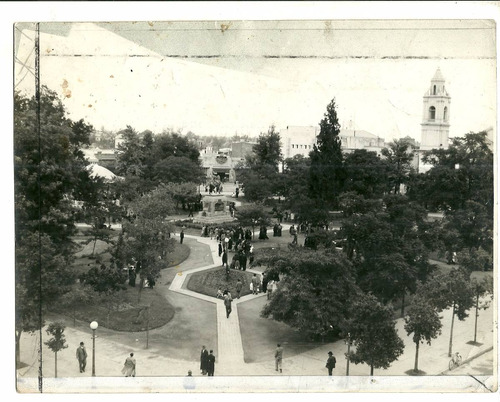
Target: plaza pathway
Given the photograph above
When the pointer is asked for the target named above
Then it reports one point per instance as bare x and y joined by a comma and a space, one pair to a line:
113, 347
229, 344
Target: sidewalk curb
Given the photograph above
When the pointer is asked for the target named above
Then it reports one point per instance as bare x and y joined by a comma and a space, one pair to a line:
469, 359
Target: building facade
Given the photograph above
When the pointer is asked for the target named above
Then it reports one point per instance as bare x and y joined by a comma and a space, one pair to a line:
299, 140
220, 165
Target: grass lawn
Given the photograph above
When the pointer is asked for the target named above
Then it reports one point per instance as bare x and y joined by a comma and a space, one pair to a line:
207, 282
180, 254
128, 314
260, 335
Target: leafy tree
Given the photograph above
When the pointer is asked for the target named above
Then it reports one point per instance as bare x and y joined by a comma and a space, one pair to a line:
146, 238
327, 173
423, 321
252, 215
58, 340
104, 279
366, 173
174, 144
309, 211
182, 193
481, 289
461, 173
177, 169
267, 151
373, 333
399, 156
475, 260
389, 248
295, 179
130, 157
42, 275
252, 180
451, 290
49, 167
472, 228
350, 203
315, 291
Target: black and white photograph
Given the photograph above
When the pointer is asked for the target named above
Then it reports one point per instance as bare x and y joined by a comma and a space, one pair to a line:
269, 203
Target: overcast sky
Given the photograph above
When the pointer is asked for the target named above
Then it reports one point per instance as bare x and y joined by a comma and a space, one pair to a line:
242, 76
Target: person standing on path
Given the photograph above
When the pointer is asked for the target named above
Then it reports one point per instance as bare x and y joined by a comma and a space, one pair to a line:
220, 249
81, 355
278, 357
211, 364
239, 286
255, 284
129, 366
224, 259
330, 363
227, 302
182, 235
203, 360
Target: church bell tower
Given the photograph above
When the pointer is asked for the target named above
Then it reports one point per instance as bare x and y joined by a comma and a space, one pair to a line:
436, 115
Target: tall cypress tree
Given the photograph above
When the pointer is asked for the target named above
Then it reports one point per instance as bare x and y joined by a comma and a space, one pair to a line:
327, 170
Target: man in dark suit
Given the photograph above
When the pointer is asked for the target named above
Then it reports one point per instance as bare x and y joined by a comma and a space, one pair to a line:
211, 364
203, 360
81, 355
330, 363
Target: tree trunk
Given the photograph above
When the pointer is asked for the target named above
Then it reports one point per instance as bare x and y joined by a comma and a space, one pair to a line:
18, 347
95, 241
451, 331
55, 375
371, 370
403, 304
141, 285
475, 321
417, 344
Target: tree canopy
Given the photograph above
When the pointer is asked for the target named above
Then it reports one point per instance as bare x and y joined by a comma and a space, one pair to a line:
398, 157
315, 290
372, 329
327, 172
49, 167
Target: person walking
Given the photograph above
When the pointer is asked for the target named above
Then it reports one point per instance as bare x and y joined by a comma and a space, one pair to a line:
330, 363
278, 357
81, 355
220, 249
211, 364
265, 280
239, 286
129, 366
182, 235
224, 259
227, 302
270, 289
203, 360
255, 284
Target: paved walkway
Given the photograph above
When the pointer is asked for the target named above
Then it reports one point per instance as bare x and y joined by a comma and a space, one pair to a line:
229, 342
154, 363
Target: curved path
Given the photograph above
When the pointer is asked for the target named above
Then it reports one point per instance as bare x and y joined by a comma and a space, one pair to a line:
229, 344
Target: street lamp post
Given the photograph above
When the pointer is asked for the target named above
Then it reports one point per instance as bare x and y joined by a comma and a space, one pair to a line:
93, 327
348, 342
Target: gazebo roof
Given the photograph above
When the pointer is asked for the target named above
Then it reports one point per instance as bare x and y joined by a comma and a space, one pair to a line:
100, 171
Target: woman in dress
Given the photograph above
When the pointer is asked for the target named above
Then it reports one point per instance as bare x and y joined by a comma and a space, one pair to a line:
129, 366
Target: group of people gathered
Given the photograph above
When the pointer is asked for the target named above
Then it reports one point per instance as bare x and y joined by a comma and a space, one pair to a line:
236, 240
